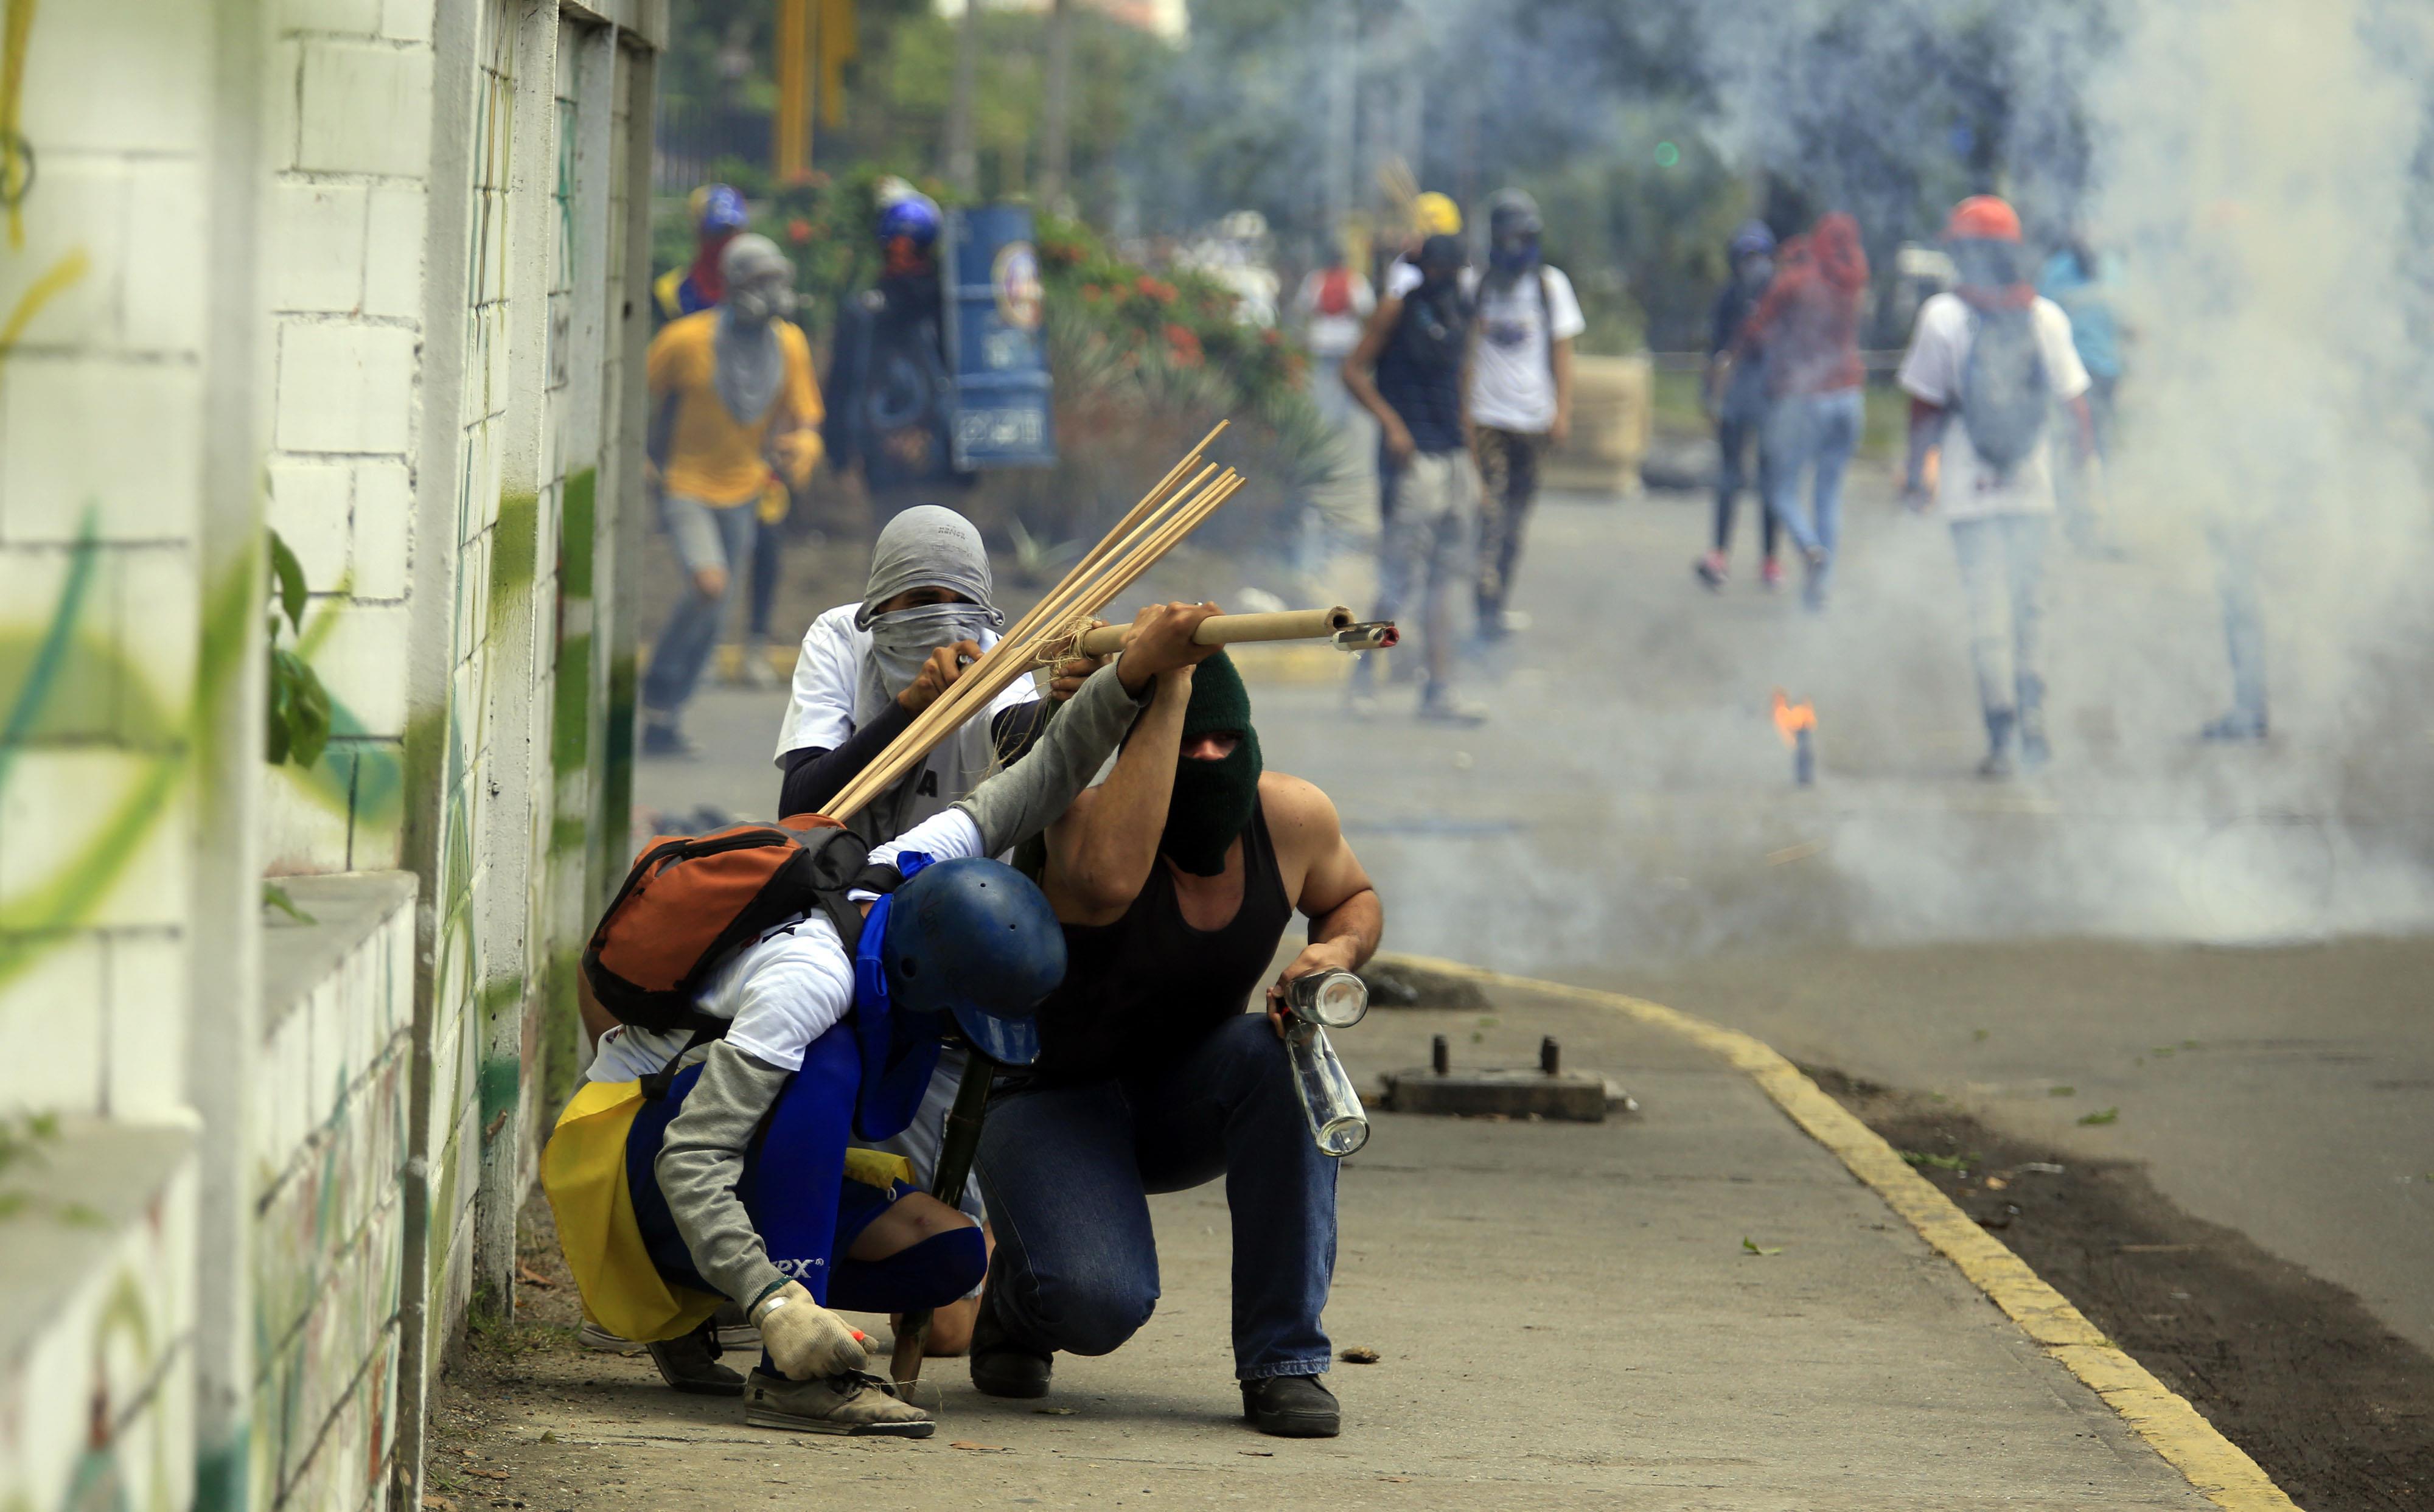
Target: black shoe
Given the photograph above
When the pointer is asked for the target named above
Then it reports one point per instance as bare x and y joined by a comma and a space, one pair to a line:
1291, 1407
690, 1363
1002, 1367
2235, 729
667, 741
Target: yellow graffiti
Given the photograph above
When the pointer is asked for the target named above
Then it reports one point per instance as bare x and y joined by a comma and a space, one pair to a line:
62, 277
12, 88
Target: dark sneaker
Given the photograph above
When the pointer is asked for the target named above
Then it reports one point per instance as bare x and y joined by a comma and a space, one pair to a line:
1710, 569
1291, 1407
667, 741
855, 1404
690, 1363
2235, 729
1002, 1367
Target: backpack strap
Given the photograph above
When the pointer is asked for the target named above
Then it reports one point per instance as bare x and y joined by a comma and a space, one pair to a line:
654, 1086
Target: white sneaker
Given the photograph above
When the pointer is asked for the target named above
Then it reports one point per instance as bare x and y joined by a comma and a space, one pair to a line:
758, 673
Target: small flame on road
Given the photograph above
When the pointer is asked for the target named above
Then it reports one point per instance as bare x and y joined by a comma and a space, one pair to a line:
1792, 718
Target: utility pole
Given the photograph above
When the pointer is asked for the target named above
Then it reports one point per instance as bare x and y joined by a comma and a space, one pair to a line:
1054, 153
790, 126
962, 159
1341, 63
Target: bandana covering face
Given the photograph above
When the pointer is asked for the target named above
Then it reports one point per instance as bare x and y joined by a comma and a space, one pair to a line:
1213, 800
903, 638
926, 547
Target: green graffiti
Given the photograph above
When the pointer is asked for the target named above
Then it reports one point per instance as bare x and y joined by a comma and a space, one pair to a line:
51, 657
575, 545
515, 550
561, 1031
570, 721
616, 802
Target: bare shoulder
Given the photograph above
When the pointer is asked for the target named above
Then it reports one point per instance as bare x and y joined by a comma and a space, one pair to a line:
1300, 816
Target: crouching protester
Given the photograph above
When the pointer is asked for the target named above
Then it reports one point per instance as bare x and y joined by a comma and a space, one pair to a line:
1174, 880
706, 1159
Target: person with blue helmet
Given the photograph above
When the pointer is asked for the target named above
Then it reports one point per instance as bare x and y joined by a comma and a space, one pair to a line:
740, 1176
719, 216
1733, 393
887, 380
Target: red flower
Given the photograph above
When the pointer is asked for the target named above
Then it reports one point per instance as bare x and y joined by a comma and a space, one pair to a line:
799, 231
1183, 346
1271, 336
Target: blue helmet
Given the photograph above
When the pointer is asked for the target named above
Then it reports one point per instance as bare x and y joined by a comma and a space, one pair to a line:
914, 215
1752, 238
723, 209
974, 939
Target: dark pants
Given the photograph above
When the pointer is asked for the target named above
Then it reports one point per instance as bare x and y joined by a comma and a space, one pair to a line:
1736, 438
1508, 486
768, 546
1068, 1171
2237, 548
794, 1189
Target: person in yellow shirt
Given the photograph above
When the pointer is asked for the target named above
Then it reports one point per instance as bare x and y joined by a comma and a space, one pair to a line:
732, 394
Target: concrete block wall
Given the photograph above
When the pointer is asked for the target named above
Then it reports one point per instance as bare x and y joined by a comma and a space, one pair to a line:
104, 678
328, 1149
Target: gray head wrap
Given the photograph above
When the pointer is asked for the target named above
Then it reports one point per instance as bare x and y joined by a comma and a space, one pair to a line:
750, 366
926, 547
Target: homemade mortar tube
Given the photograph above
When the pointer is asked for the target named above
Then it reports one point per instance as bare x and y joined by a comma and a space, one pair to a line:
1234, 629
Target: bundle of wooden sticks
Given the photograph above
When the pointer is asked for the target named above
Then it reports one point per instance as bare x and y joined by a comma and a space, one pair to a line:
1165, 515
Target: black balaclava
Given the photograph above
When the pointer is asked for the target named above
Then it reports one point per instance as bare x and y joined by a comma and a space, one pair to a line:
1213, 800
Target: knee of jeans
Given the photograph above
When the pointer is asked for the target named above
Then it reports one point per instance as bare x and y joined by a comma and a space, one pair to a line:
1093, 1312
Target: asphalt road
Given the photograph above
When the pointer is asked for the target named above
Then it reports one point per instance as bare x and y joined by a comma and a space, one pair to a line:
2228, 946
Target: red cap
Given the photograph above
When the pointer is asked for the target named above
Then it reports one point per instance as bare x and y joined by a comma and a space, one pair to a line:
1985, 219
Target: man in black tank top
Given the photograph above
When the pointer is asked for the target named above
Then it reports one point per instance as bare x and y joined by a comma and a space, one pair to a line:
1174, 881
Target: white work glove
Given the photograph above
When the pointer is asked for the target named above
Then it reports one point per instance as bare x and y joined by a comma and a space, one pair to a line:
806, 1341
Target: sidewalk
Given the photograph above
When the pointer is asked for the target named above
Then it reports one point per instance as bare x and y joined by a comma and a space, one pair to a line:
1566, 1314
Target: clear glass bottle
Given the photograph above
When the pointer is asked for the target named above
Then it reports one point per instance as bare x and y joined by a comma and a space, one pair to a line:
1338, 1125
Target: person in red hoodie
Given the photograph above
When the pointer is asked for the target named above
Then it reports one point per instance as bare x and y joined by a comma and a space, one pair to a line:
1808, 327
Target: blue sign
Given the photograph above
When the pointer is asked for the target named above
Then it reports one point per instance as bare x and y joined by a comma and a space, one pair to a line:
996, 355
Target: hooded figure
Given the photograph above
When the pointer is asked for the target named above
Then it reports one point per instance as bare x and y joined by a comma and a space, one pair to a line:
856, 659
1214, 799
759, 290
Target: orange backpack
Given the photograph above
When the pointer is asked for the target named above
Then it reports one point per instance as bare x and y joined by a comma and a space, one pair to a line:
691, 902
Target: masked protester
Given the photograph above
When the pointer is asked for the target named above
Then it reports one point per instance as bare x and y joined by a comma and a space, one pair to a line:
1174, 880
713, 1160
1807, 324
719, 214
1520, 389
889, 372
1734, 396
1411, 373
864, 672
733, 407
1998, 359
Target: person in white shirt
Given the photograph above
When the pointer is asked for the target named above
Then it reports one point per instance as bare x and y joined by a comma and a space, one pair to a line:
1986, 366
1333, 303
865, 671
1520, 389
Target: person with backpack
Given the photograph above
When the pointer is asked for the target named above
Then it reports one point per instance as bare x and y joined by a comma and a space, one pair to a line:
1733, 393
1998, 359
762, 1026
1520, 389
1808, 325
864, 672
1410, 372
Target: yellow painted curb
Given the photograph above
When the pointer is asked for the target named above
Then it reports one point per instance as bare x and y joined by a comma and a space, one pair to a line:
2213, 1464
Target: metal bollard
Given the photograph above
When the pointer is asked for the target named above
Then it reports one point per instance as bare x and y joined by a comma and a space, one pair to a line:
1440, 1055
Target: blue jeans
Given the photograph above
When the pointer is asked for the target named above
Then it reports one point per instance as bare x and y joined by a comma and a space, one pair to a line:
1734, 438
1068, 1171
1805, 431
703, 537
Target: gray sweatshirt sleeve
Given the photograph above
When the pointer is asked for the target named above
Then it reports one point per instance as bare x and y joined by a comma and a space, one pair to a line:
1029, 796
701, 1160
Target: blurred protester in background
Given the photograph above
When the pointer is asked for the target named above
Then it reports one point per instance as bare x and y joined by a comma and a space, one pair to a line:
719, 216
2001, 358
1808, 325
1432, 215
731, 387
1733, 394
1410, 372
887, 376
2085, 283
1520, 389
1332, 304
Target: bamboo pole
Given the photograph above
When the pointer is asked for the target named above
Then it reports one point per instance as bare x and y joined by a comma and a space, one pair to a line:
1148, 531
1235, 630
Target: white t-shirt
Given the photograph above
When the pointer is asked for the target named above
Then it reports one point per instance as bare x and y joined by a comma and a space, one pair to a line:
778, 994
1334, 335
1966, 488
1403, 277
821, 715
1512, 379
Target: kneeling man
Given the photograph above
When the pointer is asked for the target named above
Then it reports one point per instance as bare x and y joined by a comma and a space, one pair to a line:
1174, 880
